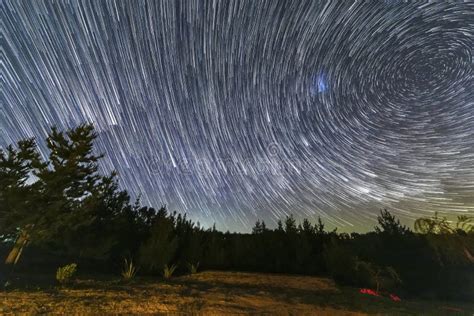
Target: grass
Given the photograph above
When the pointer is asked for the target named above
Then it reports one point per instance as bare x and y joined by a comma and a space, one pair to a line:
215, 293
129, 270
168, 271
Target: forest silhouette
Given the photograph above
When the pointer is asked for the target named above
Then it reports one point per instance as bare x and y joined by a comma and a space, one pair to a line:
62, 210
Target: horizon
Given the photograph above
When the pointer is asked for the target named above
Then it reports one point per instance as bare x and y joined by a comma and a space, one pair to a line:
236, 112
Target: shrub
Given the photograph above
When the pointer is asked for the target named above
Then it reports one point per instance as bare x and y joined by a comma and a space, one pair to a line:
370, 275
340, 264
168, 271
64, 274
364, 275
193, 268
161, 245
388, 279
129, 270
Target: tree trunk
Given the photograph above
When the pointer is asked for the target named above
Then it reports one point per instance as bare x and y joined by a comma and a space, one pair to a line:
468, 255
15, 253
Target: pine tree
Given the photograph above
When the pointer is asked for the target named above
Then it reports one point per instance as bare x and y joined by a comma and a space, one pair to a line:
259, 227
290, 225
18, 197
159, 249
320, 227
390, 225
64, 201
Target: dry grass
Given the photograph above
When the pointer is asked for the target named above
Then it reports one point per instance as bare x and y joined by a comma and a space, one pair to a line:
213, 293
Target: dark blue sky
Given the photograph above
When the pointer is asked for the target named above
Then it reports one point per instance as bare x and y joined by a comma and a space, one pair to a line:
236, 110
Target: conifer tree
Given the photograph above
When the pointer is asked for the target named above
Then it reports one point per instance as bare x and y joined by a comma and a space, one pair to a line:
63, 202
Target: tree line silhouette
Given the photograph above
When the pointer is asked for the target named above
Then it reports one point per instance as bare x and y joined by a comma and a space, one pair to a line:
63, 210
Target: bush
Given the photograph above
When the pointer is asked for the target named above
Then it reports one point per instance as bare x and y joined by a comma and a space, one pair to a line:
347, 269
161, 245
168, 271
340, 264
365, 275
388, 279
64, 274
370, 275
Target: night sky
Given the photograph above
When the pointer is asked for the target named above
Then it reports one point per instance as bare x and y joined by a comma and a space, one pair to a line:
231, 111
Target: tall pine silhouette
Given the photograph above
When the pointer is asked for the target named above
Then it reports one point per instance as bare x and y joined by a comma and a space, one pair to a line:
62, 202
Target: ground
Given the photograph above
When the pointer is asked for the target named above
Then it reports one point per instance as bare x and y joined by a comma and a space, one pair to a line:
215, 293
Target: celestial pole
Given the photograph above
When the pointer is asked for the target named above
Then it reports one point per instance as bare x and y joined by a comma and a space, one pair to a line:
232, 111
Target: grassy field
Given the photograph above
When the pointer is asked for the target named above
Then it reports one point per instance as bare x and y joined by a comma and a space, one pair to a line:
215, 293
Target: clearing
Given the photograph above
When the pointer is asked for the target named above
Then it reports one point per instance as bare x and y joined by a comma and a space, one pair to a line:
215, 293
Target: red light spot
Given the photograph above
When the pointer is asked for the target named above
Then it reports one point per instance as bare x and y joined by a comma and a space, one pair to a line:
369, 292
395, 298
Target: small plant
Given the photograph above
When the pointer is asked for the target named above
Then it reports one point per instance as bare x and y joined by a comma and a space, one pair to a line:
64, 274
129, 270
168, 271
382, 278
193, 268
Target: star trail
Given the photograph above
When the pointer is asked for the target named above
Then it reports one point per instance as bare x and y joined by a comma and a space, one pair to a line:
231, 111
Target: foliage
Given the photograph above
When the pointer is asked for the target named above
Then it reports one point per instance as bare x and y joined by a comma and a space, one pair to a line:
380, 278
259, 227
341, 263
64, 274
390, 225
62, 207
441, 225
66, 204
465, 224
193, 268
168, 271
160, 247
433, 225
290, 225
129, 270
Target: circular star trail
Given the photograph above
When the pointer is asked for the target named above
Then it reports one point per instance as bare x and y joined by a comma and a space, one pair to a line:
236, 110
